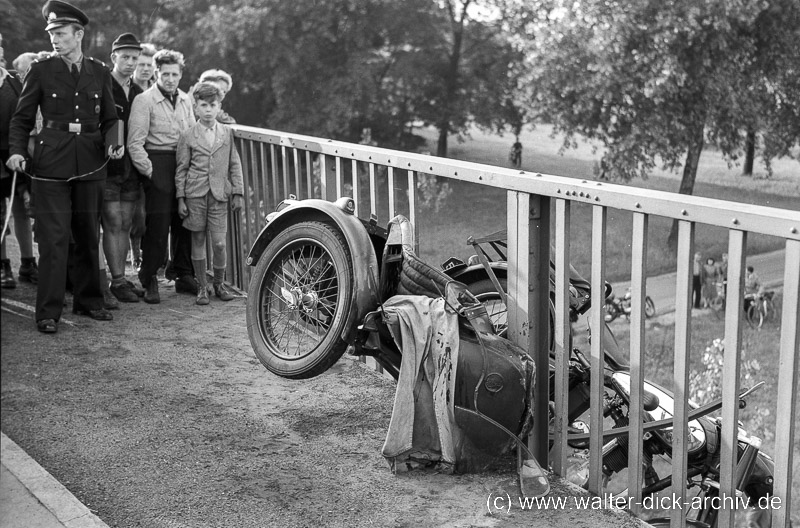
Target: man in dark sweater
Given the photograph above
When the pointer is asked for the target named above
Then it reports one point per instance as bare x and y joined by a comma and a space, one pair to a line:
122, 186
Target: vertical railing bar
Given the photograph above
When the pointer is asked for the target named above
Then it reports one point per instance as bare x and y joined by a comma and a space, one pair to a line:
373, 196
338, 165
391, 192
516, 280
412, 212
637, 346
354, 174
287, 189
683, 313
274, 176
309, 183
296, 159
599, 217
788, 365
263, 181
323, 177
563, 330
737, 241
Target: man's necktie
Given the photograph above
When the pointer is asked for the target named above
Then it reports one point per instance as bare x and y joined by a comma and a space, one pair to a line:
75, 73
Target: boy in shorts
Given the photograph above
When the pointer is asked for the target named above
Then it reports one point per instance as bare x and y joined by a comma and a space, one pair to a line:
209, 173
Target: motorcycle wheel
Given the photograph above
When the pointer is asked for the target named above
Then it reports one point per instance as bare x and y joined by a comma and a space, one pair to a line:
298, 300
649, 307
485, 292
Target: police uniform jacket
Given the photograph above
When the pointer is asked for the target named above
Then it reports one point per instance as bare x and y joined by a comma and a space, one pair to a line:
60, 153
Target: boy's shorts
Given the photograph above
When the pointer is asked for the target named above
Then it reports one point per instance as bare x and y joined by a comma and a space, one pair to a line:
123, 186
206, 213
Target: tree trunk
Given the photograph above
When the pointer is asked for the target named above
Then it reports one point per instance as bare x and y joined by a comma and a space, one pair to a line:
689, 176
749, 152
441, 145
451, 76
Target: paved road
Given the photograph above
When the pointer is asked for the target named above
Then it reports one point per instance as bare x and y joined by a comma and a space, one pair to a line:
768, 266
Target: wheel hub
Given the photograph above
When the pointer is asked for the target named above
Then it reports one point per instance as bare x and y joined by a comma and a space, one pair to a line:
297, 299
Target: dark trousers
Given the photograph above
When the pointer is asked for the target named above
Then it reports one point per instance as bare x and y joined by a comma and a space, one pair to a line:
63, 210
697, 290
161, 219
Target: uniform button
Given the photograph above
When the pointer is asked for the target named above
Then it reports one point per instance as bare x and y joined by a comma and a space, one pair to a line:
76, 93
76, 107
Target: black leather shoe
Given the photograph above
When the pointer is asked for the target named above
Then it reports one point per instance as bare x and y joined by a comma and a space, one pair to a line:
151, 295
47, 326
186, 284
97, 315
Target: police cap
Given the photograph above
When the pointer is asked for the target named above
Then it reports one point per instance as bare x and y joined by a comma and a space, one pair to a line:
126, 40
57, 13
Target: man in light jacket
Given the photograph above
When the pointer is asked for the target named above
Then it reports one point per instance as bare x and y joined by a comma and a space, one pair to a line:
158, 116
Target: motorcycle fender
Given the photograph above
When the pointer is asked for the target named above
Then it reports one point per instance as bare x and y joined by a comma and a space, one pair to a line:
355, 232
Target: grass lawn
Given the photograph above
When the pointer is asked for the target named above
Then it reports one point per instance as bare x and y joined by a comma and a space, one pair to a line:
478, 210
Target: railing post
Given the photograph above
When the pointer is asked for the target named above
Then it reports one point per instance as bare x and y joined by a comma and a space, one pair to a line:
528, 299
789, 363
562, 336
683, 327
597, 322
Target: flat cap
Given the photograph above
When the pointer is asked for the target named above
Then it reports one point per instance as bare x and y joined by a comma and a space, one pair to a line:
57, 13
126, 40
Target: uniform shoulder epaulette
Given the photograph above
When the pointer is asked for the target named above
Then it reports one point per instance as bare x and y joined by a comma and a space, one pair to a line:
101, 63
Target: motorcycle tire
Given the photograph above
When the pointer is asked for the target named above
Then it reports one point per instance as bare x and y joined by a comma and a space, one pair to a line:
649, 307
298, 300
485, 292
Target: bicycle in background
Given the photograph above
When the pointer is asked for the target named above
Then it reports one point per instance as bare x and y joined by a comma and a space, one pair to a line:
760, 308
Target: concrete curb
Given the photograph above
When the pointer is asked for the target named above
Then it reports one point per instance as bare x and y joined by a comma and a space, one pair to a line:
47, 490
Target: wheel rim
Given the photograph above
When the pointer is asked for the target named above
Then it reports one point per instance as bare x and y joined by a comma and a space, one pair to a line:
497, 310
298, 300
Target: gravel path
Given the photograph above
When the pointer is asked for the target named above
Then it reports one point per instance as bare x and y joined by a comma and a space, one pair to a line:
164, 418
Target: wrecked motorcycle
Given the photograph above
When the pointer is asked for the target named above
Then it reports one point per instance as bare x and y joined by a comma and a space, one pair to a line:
323, 278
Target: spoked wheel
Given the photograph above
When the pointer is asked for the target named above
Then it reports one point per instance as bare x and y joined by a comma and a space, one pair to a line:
649, 307
485, 292
755, 315
298, 300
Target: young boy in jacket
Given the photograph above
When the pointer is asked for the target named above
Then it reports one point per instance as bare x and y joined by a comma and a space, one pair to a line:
209, 173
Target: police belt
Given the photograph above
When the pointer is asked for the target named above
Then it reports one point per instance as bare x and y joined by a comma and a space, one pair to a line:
75, 128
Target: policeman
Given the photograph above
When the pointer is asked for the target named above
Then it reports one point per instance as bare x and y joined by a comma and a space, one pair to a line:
69, 163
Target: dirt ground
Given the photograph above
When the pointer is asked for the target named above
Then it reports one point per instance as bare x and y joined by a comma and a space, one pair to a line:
165, 418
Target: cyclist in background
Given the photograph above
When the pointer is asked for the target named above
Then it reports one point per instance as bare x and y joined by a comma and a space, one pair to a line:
752, 287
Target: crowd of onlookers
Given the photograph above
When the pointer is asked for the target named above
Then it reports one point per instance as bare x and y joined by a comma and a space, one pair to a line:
130, 155
710, 280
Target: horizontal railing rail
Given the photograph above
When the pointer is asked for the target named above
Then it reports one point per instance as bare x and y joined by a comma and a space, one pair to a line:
383, 182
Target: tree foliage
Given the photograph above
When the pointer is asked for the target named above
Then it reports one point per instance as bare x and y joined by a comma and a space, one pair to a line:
655, 82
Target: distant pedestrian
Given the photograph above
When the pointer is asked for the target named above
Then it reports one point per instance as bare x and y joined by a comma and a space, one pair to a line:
515, 155
752, 287
697, 280
209, 174
710, 273
69, 169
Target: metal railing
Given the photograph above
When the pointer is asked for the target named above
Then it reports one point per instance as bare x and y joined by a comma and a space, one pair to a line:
277, 164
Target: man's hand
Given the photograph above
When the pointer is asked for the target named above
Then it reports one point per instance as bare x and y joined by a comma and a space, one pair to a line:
238, 202
16, 163
183, 209
116, 152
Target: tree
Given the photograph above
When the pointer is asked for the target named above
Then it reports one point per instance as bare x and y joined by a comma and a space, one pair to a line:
655, 82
